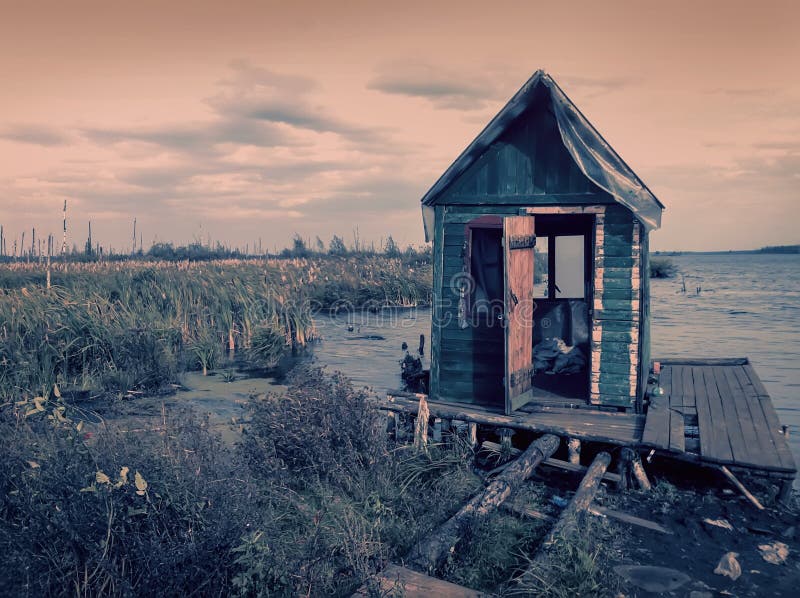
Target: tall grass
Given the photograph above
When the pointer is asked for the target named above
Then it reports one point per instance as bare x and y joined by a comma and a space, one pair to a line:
309, 504
123, 326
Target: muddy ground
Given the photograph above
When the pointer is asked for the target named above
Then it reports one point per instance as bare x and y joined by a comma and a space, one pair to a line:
686, 500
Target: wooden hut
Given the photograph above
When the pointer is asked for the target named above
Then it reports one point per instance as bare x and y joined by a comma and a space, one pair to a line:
540, 235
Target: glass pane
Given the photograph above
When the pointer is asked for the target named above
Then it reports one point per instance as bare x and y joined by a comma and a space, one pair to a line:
569, 267
540, 271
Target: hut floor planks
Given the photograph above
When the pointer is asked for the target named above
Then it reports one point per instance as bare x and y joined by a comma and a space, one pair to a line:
713, 412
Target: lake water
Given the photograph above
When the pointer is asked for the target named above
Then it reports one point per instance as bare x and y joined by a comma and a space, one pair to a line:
747, 306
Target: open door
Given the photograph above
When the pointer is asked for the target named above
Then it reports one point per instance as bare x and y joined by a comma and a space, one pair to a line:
518, 243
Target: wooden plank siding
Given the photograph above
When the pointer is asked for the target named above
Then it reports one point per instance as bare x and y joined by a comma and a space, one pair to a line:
467, 357
529, 159
617, 309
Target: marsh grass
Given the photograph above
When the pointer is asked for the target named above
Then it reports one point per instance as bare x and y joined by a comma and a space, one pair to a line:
124, 326
576, 566
310, 503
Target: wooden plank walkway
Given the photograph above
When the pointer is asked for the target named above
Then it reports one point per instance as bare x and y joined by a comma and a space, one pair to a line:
734, 414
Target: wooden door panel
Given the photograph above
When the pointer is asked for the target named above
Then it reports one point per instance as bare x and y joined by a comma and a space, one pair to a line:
518, 243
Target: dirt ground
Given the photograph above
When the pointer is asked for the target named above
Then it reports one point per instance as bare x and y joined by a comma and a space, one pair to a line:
687, 504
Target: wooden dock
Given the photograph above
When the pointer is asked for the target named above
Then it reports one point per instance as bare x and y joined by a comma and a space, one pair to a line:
712, 411
717, 411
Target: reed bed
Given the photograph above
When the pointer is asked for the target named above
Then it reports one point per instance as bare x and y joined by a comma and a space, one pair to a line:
134, 325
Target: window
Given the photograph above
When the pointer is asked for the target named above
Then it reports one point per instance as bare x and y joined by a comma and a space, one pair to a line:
569, 262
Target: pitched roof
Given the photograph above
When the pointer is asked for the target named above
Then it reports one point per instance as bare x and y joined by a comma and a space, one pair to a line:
593, 155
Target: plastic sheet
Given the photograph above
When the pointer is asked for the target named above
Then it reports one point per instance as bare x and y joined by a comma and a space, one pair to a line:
599, 162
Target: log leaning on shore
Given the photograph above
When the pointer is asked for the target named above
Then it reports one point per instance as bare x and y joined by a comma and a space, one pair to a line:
570, 517
432, 550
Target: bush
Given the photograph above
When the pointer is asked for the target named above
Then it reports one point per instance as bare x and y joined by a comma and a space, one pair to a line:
113, 514
312, 502
661, 267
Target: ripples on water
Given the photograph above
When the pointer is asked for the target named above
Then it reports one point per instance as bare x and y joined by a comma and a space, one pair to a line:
748, 305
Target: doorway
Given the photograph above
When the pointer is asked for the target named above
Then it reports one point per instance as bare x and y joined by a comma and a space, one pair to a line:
562, 299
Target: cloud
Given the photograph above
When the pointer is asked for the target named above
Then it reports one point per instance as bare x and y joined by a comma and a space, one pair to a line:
594, 87
443, 88
35, 134
199, 137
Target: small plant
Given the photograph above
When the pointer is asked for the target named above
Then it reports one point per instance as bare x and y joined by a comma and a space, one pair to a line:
207, 353
661, 267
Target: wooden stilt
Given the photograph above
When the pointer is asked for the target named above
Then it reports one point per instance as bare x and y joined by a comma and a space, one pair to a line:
623, 469
574, 451
437, 430
505, 440
740, 487
785, 491
421, 427
472, 434
637, 469
432, 550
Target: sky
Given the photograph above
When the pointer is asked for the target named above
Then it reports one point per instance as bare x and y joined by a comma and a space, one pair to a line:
242, 120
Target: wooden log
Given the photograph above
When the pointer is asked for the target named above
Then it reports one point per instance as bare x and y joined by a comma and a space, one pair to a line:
568, 521
432, 550
740, 487
399, 581
637, 469
421, 428
626, 518
550, 462
574, 451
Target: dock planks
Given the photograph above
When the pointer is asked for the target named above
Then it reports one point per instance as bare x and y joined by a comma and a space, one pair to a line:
736, 419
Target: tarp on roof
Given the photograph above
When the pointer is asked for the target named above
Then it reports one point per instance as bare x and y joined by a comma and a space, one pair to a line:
593, 155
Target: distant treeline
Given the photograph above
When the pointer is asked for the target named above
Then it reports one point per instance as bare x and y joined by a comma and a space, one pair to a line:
780, 249
200, 252
768, 249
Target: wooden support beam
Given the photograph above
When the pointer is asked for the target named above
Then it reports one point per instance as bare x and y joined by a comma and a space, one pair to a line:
570, 517
623, 469
583, 497
421, 428
437, 429
740, 487
472, 434
432, 550
574, 451
637, 469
